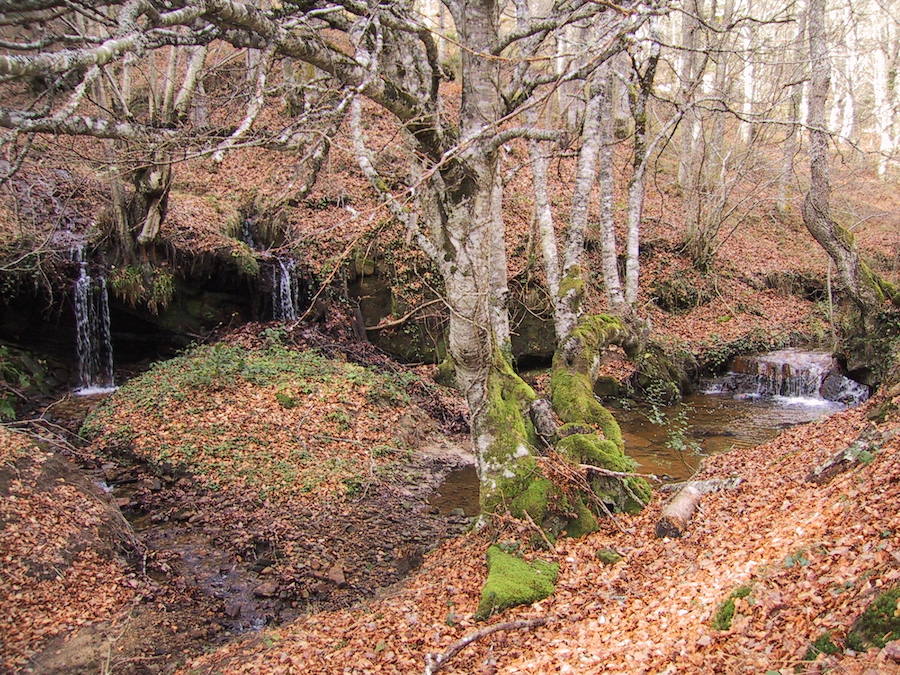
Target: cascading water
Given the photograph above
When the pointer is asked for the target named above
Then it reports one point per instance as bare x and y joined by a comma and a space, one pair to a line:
285, 290
791, 374
93, 341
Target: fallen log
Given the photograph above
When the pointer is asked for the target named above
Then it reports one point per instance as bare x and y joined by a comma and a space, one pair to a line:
676, 515
860, 451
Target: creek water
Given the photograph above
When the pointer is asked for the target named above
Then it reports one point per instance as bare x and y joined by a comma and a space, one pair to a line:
759, 397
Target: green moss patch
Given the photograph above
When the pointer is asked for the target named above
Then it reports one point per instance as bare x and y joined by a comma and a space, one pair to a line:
608, 556
512, 581
725, 613
879, 624
821, 645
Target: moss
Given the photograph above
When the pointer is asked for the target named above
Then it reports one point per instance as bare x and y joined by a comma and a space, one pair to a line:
572, 395
512, 581
590, 449
533, 500
573, 400
725, 613
821, 645
572, 283
285, 400
607, 387
879, 624
446, 372
608, 556
507, 472
584, 521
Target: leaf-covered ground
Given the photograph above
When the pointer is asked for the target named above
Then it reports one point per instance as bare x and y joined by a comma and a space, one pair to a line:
59, 564
813, 557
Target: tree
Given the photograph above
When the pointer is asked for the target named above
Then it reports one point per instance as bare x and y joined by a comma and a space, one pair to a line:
381, 52
866, 289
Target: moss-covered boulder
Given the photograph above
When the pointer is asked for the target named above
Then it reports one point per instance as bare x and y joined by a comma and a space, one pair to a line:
879, 624
512, 581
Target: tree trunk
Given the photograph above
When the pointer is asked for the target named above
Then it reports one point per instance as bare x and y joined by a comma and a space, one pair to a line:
605, 181
837, 241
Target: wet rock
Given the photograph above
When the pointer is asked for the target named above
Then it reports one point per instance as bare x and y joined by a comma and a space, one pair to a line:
266, 589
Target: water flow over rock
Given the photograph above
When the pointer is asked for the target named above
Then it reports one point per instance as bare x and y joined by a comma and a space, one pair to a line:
792, 374
93, 341
285, 290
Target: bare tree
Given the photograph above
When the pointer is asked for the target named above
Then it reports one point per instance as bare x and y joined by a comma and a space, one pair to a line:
452, 209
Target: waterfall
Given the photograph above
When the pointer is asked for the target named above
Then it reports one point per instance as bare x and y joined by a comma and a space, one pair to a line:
93, 341
285, 290
789, 374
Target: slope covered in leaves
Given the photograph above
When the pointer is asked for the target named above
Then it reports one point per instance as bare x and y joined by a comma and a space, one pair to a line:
59, 563
812, 556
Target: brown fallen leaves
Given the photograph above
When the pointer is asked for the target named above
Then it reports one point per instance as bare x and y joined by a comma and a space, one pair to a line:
58, 570
814, 557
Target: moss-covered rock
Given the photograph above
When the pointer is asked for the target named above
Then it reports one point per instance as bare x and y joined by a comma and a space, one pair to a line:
608, 556
512, 581
879, 624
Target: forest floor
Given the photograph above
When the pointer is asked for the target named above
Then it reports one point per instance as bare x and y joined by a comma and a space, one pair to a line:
202, 559
813, 556
239, 486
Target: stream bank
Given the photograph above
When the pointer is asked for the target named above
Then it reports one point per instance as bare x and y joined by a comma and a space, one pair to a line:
210, 562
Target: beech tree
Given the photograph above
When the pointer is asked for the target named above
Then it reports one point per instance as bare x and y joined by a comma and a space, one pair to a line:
383, 53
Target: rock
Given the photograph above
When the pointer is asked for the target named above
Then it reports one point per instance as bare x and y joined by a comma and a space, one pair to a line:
233, 609
266, 589
457, 513
608, 556
336, 575
891, 651
545, 420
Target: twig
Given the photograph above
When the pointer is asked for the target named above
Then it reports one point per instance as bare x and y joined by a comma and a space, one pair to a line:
381, 325
540, 531
435, 662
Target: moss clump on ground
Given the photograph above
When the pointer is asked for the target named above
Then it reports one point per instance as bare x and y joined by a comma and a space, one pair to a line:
879, 624
608, 556
725, 613
512, 581
821, 645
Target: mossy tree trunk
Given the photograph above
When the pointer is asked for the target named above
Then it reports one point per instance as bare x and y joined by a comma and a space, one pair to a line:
865, 288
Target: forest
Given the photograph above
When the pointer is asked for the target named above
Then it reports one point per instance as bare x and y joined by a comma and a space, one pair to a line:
464, 336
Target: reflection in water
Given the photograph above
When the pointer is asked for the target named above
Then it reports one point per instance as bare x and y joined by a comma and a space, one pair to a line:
458, 491
718, 423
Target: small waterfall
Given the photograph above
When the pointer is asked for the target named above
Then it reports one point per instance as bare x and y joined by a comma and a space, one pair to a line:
791, 374
285, 290
93, 341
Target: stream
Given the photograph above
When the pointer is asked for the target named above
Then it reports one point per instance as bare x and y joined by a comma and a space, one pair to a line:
759, 397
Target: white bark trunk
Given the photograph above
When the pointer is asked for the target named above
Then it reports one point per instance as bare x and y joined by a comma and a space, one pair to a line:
883, 112
606, 183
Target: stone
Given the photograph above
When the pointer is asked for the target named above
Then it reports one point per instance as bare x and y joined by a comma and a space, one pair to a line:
336, 575
266, 589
